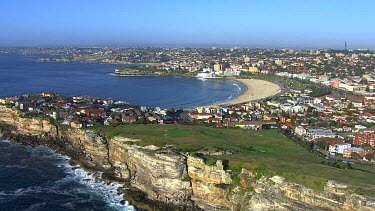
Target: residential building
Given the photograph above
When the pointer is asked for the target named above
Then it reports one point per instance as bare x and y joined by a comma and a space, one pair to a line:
339, 148
299, 130
349, 151
320, 133
364, 138
217, 67
330, 143
253, 69
75, 123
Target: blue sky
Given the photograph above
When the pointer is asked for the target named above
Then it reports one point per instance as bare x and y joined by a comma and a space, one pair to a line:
266, 23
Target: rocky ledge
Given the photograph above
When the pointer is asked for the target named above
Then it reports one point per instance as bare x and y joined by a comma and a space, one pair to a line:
162, 179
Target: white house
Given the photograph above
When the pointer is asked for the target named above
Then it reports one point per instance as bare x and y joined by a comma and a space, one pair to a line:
339, 148
286, 107
298, 109
299, 130
318, 107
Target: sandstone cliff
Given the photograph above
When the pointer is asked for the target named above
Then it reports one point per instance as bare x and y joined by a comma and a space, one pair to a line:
170, 178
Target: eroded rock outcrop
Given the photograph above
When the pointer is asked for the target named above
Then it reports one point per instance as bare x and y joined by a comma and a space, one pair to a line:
117, 152
160, 173
198, 169
25, 126
276, 194
210, 183
89, 146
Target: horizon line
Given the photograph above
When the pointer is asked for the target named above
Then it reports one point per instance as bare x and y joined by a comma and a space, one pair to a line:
187, 45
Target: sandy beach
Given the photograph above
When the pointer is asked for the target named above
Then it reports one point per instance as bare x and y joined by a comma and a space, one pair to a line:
256, 89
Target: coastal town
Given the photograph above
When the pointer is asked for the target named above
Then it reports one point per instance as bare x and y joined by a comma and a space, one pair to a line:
323, 98
187, 105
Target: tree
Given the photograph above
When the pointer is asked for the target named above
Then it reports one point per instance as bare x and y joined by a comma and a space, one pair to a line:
226, 65
370, 156
322, 145
355, 155
349, 140
170, 112
366, 145
363, 81
367, 89
350, 105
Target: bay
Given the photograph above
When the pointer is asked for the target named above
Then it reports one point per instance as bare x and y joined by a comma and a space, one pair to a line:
22, 74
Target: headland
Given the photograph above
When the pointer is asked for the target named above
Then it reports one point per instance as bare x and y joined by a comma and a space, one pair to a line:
173, 167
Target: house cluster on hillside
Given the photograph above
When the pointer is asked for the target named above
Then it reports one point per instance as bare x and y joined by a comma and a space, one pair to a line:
342, 122
84, 111
345, 124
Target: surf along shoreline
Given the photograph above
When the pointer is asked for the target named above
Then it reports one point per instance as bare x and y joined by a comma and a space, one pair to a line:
256, 89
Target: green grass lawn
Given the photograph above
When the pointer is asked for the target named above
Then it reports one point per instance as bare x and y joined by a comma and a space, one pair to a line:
271, 78
269, 149
294, 84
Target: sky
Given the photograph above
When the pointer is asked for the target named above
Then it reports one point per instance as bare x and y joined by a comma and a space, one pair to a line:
193, 23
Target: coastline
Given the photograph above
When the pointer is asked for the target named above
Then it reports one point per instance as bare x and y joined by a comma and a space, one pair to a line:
163, 179
256, 90
109, 191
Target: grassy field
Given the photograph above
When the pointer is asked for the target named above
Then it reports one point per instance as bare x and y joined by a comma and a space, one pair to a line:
271, 78
269, 149
294, 84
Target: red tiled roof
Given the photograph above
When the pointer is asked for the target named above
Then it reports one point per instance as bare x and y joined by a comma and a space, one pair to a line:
331, 141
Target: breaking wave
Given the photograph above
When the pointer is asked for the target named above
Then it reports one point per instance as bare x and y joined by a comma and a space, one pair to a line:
73, 188
238, 87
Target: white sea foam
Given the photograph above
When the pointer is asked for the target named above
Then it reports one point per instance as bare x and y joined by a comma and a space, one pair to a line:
4, 141
238, 87
91, 181
16, 166
107, 191
28, 190
38, 206
230, 97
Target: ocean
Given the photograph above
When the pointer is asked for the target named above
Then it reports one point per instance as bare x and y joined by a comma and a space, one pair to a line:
41, 179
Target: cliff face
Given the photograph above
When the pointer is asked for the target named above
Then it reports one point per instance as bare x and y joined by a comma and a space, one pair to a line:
83, 145
206, 181
159, 173
88, 147
25, 126
185, 182
117, 152
275, 193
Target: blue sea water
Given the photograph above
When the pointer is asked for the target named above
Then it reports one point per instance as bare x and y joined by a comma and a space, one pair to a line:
40, 179
20, 74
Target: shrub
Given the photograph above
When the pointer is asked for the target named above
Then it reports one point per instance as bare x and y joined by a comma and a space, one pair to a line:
186, 179
236, 181
259, 171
